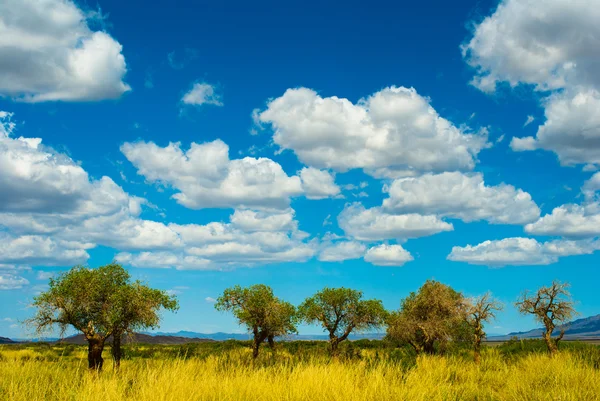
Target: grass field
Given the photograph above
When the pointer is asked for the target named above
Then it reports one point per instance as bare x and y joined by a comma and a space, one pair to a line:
366, 370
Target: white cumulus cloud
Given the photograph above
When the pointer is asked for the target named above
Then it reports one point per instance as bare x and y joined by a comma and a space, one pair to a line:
571, 220
376, 225
206, 177
520, 251
318, 184
394, 132
519, 43
37, 229
523, 144
38, 250
388, 255
462, 196
10, 282
251, 220
591, 186
250, 239
572, 126
553, 46
340, 251
202, 93
48, 52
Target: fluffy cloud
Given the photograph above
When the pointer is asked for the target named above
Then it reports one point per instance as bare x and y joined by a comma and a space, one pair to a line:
571, 220
461, 196
48, 52
104, 215
45, 193
523, 144
251, 220
202, 93
38, 250
251, 254
37, 229
591, 186
51, 212
556, 50
394, 132
571, 130
124, 231
318, 184
549, 49
225, 245
520, 251
388, 255
163, 260
206, 177
340, 251
36, 179
10, 282
375, 225
575, 221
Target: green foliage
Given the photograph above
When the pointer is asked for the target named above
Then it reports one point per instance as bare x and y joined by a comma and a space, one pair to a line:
259, 310
265, 315
340, 311
136, 307
83, 298
99, 301
429, 318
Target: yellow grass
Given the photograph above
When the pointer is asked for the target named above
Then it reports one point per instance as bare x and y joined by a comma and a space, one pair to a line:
25, 376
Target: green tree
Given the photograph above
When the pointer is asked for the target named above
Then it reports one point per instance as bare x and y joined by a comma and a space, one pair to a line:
550, 306
265, 315
481, 310
97, 302
340, 311
137, 307
434, 314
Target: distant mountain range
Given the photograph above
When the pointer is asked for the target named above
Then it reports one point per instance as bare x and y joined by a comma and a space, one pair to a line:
140, 338
210, 336
246, 336
580, 329
4, 340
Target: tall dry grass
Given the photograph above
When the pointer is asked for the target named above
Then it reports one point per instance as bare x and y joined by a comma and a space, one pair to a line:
27, 375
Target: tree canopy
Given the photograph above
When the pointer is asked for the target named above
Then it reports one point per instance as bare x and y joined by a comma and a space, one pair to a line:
99, 303
434, 314
257, 308
551, 306
340, 311
136, 307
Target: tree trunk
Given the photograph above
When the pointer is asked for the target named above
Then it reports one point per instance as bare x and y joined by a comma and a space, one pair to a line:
259, 337
255, 346
418, 349
550, 343
428, 347
477, 349
333, 346
95, 348
116, 350
271, 341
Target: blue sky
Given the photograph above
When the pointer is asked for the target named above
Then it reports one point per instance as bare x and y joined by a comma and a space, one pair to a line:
301, 145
